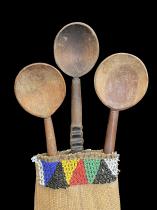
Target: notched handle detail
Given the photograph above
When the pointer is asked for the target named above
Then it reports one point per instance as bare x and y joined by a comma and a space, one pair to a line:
76, 134
76, 139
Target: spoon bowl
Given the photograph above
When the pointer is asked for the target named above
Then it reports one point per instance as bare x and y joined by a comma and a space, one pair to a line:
40, 89
120, 81
76, 49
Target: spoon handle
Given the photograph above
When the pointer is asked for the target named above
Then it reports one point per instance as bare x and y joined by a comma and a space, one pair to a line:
76, 134
110, 138
50, 137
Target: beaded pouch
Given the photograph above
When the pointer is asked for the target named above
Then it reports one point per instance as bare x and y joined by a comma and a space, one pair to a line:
85, 180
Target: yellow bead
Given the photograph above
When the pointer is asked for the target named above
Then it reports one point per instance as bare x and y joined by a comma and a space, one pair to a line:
69, 166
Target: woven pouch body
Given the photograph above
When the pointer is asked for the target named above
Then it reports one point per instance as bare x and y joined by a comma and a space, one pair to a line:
82, 181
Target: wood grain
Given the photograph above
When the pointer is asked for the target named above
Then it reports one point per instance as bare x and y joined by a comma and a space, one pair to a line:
40, 89
110, 138
50, 137
76, 50
120, 81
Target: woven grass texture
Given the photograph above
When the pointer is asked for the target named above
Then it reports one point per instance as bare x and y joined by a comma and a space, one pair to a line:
81, 181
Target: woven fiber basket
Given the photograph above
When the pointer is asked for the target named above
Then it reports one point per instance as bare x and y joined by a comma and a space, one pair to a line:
85, 180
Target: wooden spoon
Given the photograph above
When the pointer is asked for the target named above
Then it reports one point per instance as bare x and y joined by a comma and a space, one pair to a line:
76, 51
121, 81
40, 89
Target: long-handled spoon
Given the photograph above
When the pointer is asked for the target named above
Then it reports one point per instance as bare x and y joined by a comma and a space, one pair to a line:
121, 81
76, 51
40, 89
